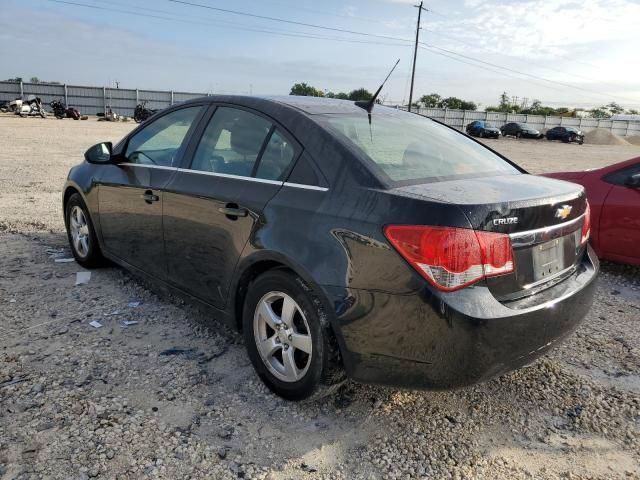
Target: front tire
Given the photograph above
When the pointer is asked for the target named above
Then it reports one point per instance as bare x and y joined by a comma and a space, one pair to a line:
288, 337
81, 234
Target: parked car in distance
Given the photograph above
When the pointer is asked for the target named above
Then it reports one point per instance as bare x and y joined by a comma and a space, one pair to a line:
520, 130
379, 244
566, 134
482, 129
614, 196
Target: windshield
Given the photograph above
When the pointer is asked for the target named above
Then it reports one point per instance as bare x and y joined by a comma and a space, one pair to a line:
405, 148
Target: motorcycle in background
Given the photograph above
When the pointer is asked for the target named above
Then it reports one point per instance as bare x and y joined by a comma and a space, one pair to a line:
11, 106
141, 113
31, 107
60, 110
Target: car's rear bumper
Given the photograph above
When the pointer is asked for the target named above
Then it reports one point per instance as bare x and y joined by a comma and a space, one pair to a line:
433, 341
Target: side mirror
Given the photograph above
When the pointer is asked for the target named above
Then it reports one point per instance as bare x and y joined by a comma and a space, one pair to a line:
633, 181
99, 153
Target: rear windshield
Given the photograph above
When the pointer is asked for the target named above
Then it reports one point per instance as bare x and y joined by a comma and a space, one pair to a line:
404, 148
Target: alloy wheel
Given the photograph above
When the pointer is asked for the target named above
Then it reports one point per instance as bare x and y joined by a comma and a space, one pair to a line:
283, 336
79, 231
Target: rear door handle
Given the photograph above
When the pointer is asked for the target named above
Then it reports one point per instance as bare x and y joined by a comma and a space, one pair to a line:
233, 212
149, 196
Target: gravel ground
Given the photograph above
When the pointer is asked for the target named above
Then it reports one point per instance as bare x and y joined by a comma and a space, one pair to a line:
174, 395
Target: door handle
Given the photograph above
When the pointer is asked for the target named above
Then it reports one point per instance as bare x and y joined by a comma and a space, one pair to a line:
232, 211
149, 197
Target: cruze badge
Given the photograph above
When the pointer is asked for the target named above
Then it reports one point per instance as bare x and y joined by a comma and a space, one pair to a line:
563, 212
505, 221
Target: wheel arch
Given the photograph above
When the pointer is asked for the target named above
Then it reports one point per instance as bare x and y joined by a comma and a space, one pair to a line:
258, 263
72, 187
69, 190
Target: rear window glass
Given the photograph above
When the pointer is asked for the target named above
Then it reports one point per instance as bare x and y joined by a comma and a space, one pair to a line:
405, 148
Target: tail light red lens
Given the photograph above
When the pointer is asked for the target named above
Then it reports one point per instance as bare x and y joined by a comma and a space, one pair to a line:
586, 225
452, 258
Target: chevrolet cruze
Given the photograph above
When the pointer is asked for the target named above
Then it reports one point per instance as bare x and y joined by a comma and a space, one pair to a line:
343, 240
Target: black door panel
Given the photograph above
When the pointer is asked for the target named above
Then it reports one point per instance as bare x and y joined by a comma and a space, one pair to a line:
130, 194
211, 208
207, 222
130, 205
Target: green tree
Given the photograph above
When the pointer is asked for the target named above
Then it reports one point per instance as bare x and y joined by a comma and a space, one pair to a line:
360, 94
466, 105
304, 90
16, 79
614, 108
457, 104
34, 80
599, 113
633, 111
342, 96
430, 101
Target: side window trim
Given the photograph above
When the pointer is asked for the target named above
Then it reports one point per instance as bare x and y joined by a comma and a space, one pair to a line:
180, 154
196, 137
265, 142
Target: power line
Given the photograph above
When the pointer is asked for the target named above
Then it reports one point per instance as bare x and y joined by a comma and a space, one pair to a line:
506, 74
401, 41
235, 12
358, 18
283, 20
574, 87
224, 24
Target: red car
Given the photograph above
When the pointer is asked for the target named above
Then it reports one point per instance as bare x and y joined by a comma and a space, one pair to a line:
614, 195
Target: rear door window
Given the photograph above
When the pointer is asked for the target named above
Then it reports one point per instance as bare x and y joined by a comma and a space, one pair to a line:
231, 143
276, 158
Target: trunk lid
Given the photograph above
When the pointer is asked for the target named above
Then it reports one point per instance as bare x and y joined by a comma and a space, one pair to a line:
543, 217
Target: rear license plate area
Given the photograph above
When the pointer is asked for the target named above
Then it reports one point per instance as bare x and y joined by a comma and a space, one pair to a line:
548, 259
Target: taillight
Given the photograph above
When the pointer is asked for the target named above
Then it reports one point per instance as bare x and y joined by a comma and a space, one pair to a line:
452, 258
586, 225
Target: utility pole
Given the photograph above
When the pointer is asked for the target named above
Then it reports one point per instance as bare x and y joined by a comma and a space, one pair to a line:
415, 52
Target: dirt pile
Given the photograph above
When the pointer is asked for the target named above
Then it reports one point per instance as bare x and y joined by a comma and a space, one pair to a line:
633, 140
600, 136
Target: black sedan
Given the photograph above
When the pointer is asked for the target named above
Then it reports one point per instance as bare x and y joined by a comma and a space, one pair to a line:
482, 129
520, 130
566, 134
386, 247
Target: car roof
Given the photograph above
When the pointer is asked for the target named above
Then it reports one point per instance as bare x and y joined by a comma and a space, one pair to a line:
308, 105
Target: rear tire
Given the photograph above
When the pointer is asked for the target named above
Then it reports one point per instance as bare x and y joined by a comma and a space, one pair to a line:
81, 234
518, 135
298, 357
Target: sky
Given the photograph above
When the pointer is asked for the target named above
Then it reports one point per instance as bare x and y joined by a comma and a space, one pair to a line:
562, 52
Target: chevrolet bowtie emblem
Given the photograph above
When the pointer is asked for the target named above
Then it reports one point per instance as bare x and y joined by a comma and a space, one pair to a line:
563, 212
